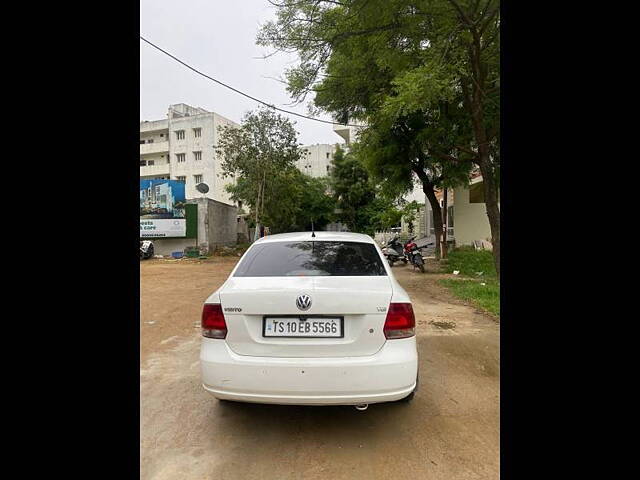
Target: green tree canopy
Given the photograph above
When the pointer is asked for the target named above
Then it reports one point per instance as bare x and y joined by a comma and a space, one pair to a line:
261, 156
394, 62
361, 204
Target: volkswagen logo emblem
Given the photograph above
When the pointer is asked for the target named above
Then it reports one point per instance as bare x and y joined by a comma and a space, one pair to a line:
303, 302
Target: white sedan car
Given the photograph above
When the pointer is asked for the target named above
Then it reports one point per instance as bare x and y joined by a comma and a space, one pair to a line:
310, 319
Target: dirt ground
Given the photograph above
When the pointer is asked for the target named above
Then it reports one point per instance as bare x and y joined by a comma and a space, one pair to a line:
449, 431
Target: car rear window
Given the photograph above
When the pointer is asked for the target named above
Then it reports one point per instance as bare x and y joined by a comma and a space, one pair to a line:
282, 259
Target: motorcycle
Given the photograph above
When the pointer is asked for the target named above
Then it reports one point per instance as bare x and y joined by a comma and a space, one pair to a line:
413, 254
392, 250
146, 249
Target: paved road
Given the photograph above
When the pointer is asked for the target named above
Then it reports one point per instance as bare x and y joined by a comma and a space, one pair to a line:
450, 431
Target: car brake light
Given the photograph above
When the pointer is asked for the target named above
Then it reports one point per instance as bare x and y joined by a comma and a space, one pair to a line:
400, 322
213, 323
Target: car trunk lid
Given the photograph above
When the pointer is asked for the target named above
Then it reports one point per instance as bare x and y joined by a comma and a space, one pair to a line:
361, 300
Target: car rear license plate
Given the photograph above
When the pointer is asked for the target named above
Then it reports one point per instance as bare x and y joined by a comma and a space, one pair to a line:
308, 327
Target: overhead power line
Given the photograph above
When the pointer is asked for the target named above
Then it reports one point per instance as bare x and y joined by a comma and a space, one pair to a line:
238, 91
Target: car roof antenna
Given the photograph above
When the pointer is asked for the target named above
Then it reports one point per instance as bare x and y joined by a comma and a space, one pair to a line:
313, 232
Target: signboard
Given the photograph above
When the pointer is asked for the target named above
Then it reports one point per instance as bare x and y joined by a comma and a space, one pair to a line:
162, 209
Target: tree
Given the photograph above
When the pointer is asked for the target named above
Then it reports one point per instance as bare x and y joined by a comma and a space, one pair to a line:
479, 45
316, 206
362, 205
352, 192
261, 155
409, 213
398, 149
404, 59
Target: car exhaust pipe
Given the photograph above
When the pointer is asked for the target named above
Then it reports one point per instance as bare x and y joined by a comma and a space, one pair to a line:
362, 407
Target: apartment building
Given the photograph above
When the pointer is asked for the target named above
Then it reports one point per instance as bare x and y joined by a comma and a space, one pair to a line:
181, 147
316, 159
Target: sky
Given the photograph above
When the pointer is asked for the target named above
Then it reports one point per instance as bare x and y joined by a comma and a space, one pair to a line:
216, 37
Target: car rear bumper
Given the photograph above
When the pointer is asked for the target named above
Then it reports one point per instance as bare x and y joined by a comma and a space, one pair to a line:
388, 375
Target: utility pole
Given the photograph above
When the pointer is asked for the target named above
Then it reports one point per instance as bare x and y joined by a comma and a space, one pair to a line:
444, 225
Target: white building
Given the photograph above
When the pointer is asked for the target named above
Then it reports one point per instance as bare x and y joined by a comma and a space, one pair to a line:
472, 222
181, 147
316, 159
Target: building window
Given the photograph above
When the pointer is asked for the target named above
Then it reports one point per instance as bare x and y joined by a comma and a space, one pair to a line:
197, 156
179, 134
197, 132
181, 179
142, 142
180, 157
328, 154
162, 134
150, 140
151, 162
197, 179
143, 163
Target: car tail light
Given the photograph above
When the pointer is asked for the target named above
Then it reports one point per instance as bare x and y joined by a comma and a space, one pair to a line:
400, 322
213, 323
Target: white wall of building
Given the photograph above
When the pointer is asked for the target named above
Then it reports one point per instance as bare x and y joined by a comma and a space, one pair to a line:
188, 147
471, 221
316, 159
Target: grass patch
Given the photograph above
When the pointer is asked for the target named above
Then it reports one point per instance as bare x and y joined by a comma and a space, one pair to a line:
485, 296
469, 261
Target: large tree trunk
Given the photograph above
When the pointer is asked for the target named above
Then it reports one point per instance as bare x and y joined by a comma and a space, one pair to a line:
445, 224
491, 191
429, 191
476, 105
491, 200
437, 219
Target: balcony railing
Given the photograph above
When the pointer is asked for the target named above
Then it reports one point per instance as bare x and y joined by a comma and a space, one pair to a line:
155, 170
155, 147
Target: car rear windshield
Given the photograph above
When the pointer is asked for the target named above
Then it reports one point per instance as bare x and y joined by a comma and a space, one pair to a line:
282, 259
